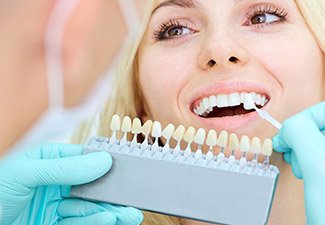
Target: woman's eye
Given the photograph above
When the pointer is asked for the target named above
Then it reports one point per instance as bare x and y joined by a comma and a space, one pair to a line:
172, 30
264, 18
176, 31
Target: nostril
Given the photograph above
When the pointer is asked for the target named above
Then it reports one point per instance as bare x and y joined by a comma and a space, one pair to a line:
211, 63
233, 59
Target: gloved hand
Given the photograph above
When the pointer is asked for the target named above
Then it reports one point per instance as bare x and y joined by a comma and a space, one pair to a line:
33, 185
303, 144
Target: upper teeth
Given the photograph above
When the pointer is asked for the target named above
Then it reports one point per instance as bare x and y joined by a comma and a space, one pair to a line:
221, 101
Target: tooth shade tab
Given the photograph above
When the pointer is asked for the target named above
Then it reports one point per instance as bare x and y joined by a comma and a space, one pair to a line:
222, 140
179, 133
245, 144
136, 126
146, 128
267, 147
126, 124
212, 138
167, 133
200, 136
156, 130
189, 135
233, 141
115, 123
256, 145
249, 102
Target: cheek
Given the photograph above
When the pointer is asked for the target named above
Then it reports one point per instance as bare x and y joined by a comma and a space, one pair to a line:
297, 65
162, 77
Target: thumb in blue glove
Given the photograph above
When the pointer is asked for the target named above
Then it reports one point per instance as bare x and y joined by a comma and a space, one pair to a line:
33, 185
303, 144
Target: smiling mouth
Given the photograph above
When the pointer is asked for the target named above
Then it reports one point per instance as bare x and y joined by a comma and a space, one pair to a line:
227, 105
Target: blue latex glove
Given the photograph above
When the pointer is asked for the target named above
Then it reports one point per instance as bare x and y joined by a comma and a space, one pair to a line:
33, 185
303, 144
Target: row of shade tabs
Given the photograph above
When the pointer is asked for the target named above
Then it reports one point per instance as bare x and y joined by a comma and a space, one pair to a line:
190, 135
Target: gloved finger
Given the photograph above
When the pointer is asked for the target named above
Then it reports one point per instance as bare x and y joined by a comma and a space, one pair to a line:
51, 151
299, 133
78, 208
125, 215
287, 157
279, 145
295, 166
66, 171
102, 218
316, 113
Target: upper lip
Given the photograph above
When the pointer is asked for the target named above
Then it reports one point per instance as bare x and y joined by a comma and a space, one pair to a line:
227, 88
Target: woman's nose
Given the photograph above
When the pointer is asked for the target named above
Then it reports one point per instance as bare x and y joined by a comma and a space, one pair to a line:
222, 50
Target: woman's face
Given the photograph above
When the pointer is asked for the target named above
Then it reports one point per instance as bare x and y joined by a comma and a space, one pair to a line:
197, 54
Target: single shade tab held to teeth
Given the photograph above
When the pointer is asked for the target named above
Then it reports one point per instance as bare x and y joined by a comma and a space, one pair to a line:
249, 104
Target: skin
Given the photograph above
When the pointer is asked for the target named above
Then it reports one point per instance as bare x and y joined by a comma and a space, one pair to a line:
92, 38
282, 57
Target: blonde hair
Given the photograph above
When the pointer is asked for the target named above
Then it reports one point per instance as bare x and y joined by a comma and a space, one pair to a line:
126, 98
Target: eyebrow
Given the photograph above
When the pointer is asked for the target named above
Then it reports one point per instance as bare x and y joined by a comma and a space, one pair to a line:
180, 3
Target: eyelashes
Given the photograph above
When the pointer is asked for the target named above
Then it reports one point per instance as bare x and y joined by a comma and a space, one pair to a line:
172, 29
258, 17
263, 12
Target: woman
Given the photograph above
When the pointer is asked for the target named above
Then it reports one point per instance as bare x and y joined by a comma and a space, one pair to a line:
189, 50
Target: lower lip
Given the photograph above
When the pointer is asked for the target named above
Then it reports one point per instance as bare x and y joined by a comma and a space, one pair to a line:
229, 123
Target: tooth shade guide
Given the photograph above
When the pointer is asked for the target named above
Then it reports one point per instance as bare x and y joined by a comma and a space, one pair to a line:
183, 145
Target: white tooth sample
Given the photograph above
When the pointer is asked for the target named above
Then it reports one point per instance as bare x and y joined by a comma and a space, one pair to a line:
189, 138
245, 144
196, 111
115, 123
156, 130
126, 124
146, 130
136, 126
256, 145
199, 137
156, 133
179, 133
212, 138
222, 101
211, 142
267, 147
233, 145
178, 136
233, 141
126, 128
115, 126
248, 102
234, 99
206, 104
222, 140
167, 133
213, 101
136, 129
189, 135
